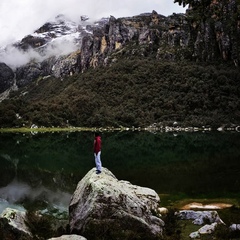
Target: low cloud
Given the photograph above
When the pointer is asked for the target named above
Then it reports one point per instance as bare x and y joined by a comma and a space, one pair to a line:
20, 18
15, 57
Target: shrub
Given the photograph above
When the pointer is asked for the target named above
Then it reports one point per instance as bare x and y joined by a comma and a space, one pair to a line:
40, 225
172, 228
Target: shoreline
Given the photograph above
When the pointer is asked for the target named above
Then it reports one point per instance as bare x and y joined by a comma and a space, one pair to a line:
112, 129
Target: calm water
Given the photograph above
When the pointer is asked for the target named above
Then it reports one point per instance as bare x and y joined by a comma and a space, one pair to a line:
42, 170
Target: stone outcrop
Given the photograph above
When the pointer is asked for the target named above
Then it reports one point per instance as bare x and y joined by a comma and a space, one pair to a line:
214, 29
101, 204
199, 217
13, 223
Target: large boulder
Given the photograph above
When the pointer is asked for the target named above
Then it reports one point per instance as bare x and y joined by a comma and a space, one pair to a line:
103, 205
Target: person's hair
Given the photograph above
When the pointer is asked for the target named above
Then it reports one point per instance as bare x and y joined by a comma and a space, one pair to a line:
97, 134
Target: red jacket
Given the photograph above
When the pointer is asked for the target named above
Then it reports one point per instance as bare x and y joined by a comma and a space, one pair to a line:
97, 144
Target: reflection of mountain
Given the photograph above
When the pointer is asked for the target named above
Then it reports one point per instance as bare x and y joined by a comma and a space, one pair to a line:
51, 164
54, 161
163, 162
19, 192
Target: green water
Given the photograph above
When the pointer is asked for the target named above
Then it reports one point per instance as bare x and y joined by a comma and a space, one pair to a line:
44, 168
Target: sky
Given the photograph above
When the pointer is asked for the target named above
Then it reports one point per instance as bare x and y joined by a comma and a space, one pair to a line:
19, 18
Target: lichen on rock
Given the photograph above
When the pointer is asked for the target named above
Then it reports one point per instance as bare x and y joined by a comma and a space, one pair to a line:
102, 203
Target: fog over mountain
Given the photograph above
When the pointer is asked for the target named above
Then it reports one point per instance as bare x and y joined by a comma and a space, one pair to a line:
60, 36
19, 18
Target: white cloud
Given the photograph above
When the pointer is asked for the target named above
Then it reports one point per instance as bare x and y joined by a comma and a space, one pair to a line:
14, 57
21, 17
18, 18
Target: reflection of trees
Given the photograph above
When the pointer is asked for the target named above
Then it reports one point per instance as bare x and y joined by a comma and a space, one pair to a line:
57, 161
188, 162
191, 163
7, 170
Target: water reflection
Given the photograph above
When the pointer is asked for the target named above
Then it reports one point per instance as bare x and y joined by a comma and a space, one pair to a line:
5, 204
18, 191
19, 195
46, 167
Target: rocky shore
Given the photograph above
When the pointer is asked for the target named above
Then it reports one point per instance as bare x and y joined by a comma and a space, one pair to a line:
103, 207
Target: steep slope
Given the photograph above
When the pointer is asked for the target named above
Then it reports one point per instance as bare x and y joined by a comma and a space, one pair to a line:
136, 71
131, 92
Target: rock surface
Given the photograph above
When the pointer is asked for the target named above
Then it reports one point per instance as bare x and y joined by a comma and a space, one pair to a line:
235, 227
101, 204
13, 223
69, 237
199, 217
206, 229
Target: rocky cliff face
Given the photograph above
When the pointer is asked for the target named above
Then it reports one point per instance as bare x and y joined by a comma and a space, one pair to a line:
202, 34
6, 77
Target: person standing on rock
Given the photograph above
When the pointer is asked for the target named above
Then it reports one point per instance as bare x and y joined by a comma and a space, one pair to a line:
97, 152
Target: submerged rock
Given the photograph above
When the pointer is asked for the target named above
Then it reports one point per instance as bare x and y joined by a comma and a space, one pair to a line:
101, 204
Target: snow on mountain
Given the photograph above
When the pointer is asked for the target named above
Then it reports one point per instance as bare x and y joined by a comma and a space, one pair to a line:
58, 37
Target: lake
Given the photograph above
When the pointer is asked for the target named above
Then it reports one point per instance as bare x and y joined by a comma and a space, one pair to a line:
41, 170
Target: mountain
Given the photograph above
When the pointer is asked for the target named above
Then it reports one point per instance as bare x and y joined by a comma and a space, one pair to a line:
49, 45
129, 71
